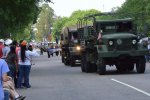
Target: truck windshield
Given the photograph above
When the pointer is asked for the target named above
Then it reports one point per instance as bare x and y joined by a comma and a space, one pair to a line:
117, 27
75, 35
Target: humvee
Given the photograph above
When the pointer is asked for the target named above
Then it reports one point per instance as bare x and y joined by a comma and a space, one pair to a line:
111, 42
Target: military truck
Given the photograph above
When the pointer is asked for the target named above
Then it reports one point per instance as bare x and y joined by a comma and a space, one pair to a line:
111, 42
70, 46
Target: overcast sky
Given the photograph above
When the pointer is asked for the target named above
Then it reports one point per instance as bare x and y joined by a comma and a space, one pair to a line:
66, 7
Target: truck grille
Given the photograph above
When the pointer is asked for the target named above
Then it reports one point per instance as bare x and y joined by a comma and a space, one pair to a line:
124, 46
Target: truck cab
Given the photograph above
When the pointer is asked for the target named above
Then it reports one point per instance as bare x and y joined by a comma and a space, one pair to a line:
112, 42
70, 46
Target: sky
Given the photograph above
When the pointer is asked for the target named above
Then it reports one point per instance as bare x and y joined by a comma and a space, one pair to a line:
66, 7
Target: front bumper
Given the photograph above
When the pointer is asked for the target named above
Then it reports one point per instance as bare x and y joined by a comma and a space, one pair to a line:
119, 53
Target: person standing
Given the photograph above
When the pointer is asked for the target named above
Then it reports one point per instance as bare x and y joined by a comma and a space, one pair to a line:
16, 44
1, 46
50, 51
3, 76
6, 48
11, 60
24, 64
41, 48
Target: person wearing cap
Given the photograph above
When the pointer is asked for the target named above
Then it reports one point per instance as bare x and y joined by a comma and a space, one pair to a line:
6, 48
24, 64
1, 46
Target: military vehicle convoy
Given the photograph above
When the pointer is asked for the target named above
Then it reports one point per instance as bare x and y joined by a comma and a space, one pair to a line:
110, 42
70, 46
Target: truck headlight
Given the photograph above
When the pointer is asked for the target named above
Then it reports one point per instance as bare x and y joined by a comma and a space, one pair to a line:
78, 48
134, 41
111, 43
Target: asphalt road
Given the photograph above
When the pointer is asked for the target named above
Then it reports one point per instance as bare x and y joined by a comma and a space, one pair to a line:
52, 80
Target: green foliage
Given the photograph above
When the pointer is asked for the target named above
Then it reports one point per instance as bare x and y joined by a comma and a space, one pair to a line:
16, 15
58, 24
72, 20
139, 10
76, 15
45, 22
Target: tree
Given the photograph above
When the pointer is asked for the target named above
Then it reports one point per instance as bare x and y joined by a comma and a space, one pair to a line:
45, 22
138, 10
57, 26
72, 20
16, 15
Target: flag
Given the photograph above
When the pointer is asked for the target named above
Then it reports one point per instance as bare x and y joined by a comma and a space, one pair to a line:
99, 36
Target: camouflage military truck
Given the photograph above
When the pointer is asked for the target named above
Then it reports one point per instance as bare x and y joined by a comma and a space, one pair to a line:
70, 46
111, 42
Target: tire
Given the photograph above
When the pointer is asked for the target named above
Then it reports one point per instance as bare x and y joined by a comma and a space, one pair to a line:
94, 68
66, 61
66, 58
88, 67
82, 63
101, 67
87, 64
140, 64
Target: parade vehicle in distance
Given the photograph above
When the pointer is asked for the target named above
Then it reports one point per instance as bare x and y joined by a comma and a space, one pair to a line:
111, 42
70, 46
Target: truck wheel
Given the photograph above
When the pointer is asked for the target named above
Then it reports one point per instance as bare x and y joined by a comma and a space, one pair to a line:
82, 63
66, 62
87, 64
140, 64
101, 67
94, 67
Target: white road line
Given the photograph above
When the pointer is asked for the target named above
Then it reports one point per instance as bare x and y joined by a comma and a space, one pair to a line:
139, 90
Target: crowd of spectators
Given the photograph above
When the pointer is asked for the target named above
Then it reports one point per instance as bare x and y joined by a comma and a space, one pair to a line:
51, 49
15, 66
